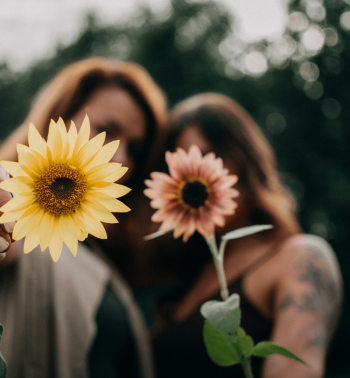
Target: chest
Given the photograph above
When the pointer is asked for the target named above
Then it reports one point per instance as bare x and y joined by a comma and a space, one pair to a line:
256, 271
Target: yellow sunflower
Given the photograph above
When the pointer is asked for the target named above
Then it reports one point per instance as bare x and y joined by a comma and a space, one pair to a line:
64, 188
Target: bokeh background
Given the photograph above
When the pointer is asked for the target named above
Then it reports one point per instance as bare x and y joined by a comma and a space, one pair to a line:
287, 63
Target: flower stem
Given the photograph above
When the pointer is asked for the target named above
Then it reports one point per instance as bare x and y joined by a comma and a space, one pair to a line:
247, 368
219, 266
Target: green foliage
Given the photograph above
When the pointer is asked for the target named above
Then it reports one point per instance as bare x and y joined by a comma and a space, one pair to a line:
226, 342
266, 348
245, 231
220, 348
225, 316
226, 352
244, 342
3, 366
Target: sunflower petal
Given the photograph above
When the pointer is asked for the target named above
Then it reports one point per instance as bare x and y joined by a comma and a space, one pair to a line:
36, 141
54, 141
26, 224
46, 230
17, 184
82, 233
13, 168
32, 240
105, 172
98, 211
204, 223
89, 151
31, 209
65, 142
110, 188
56, 244
109, 202
22, 201
105, 154
117, 174
72, 138
11, 216
68, 230
82, 137
93, 226
159, 177
30, 164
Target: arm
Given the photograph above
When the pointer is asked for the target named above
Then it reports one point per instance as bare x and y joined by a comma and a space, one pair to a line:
306, 307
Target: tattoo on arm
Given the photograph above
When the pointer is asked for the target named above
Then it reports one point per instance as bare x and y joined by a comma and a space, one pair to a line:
321, 295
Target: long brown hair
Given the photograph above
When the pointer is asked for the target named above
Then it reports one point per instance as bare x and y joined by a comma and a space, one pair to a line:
64, 95
233, 132
72, 87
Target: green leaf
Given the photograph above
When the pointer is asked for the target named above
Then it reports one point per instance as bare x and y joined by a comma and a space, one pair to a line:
3, 366
220, 348
265, 348
245, 231
245, 343
225, 316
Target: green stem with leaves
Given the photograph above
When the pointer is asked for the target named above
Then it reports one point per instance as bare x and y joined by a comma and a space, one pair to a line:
219, 265
246, 367
218, 258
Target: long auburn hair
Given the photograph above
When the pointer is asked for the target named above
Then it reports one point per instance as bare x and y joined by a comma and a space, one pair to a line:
231, 130
72, 87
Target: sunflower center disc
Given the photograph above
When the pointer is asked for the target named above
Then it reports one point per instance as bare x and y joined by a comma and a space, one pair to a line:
62, 186
60, 189
194, 194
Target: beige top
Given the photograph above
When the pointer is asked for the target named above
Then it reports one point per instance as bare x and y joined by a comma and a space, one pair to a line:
48, 309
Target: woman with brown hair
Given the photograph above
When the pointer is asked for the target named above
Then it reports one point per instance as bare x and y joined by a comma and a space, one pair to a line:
77, 318
289, 283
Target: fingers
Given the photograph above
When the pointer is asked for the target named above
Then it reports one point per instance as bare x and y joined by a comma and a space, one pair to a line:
7, 228
5, 243
3, 174
4, 195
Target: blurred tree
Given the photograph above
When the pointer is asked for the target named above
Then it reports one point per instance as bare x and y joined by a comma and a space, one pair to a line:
296, 88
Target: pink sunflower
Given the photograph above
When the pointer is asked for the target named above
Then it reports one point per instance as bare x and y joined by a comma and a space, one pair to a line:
195, 196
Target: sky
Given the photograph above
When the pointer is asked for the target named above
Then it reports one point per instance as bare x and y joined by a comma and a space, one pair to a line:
31, 29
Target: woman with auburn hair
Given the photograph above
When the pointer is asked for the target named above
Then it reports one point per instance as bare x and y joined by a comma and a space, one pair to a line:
289, 282
77, 318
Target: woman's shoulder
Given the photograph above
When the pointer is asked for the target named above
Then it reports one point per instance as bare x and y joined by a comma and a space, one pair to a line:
306, 240
305, 257
306, 247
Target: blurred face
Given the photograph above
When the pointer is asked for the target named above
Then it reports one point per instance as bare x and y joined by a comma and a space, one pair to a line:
114, 111
193, 135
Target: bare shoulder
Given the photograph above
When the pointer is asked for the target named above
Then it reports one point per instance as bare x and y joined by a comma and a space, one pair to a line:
304, 251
